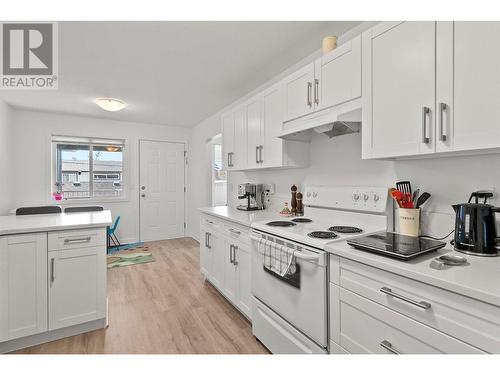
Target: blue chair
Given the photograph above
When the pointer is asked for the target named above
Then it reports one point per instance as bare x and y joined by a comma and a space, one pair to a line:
111, 233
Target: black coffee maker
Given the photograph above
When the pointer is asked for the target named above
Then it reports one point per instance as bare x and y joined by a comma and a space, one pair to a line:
475, 226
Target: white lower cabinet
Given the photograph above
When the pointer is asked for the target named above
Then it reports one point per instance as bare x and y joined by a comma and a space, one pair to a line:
225, 260
77, 286
404, 316
23, 285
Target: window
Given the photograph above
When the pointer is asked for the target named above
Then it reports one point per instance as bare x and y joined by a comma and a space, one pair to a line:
87, 168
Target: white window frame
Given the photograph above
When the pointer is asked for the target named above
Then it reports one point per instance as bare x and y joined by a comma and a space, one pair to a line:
89, 141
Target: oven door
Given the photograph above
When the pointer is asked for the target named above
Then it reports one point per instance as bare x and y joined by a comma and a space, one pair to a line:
300, 300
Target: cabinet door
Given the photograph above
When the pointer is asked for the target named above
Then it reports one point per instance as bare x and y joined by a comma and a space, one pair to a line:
23, 285
228, 139
399, 86
338, 75
254, 133
77, 286
216, 247
229, 287
244, 294
476, 112
299, 92
272, 121
205, 255
240, 139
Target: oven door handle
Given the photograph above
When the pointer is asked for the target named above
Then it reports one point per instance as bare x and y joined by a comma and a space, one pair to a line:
296, 254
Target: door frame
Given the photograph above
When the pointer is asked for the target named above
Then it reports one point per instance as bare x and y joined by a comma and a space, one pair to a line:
186, 164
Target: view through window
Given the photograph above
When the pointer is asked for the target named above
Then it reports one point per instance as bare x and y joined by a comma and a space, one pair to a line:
87, 168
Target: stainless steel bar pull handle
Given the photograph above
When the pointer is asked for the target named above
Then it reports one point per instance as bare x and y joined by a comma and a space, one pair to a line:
260, 154
234, 231
422, 304
257, 154
208, 241
52, 270
77, 240
387, 345
231, 253
316, 91
425, 113
442, 108
309, 89
234, 255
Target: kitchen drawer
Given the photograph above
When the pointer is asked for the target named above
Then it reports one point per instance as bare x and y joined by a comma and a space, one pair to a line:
208, 222
237, 232
367, 327
76, 239
464, 318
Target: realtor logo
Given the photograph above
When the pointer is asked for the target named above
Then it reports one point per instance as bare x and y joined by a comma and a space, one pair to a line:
29, 56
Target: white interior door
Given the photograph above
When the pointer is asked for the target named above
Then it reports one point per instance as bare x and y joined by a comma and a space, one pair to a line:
161, 190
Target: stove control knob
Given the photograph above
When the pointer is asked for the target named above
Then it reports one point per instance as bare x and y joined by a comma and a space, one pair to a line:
376, 197
315, 195
355, 197
365, 197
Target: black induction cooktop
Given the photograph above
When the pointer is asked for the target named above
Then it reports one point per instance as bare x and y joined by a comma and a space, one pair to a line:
395, 245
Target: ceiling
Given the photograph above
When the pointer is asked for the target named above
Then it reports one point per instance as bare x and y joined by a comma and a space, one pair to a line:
171, 73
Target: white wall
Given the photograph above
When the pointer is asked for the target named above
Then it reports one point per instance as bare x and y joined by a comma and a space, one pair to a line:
6, 187
30, 157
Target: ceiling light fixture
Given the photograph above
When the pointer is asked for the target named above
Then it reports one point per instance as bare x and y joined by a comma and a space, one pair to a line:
110, 104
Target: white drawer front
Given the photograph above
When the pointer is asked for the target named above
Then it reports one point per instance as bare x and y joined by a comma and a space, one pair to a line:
76, 239
209, 221
237, 232
466, 319
367, 327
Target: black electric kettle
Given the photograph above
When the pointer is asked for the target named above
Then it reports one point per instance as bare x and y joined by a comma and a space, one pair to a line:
475, 226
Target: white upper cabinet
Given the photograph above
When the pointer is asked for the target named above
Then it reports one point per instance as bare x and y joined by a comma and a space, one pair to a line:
272, 151
228, 139
469, 85
338, 75
430, 88
299, 93
255, 133
399, 89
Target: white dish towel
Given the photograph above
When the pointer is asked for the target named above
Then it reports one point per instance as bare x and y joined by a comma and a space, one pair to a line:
275, 257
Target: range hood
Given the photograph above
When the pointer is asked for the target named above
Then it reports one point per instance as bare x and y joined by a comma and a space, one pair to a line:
339, 120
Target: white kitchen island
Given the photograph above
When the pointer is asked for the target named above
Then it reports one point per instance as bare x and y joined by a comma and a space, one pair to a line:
52, 277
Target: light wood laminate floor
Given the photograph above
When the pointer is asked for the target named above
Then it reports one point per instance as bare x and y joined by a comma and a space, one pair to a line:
164, 307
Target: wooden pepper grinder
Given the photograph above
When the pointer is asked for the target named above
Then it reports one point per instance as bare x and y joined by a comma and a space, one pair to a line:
293, 203
300, 206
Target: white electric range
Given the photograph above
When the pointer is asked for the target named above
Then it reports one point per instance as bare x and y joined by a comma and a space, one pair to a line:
289, 264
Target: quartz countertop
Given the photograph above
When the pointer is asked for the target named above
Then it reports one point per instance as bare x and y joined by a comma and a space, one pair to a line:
479, 279
241, 217
13, 224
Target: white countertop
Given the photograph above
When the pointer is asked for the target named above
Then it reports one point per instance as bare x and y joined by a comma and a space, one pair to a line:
241, 217
480, 279
13, 224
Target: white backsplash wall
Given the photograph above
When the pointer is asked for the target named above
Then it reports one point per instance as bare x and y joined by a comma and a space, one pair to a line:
337, 161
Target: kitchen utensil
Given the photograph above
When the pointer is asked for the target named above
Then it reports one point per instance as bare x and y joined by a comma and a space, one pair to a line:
404, 186
451, 259
415, 197
398, 197
407, 201
475, 226
422, 199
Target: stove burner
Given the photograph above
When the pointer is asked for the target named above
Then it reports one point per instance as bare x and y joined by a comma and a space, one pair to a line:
322, 235
302, 220
281, 223
345, 229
